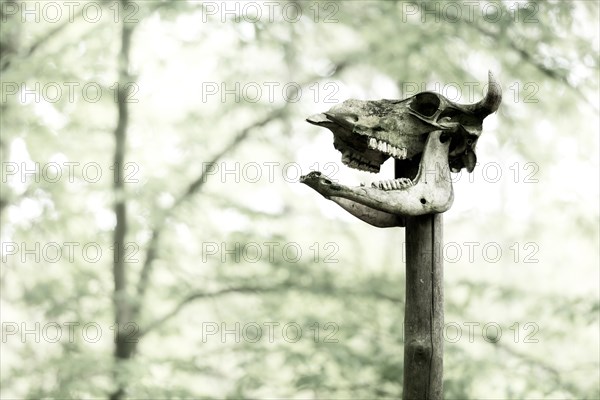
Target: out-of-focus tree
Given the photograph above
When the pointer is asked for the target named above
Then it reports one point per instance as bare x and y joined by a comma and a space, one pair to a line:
215, 282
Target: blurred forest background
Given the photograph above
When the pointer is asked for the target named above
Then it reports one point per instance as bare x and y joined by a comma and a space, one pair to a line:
132, 267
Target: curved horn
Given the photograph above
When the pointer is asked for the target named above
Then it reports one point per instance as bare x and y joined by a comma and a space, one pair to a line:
490, 102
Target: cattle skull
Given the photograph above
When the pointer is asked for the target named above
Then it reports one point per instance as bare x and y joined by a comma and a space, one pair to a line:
431, 134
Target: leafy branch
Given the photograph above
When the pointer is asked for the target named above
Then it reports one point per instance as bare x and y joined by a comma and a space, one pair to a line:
194, 187
286, 286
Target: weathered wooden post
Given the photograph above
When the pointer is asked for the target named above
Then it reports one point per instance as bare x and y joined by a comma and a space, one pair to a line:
424, 308
424, 303
428, 136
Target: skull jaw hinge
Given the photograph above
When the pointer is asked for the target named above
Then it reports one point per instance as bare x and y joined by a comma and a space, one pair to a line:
430, 193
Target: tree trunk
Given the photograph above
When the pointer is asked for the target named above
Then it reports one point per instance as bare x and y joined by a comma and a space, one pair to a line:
124, 343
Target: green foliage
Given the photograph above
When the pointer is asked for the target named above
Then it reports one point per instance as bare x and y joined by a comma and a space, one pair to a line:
345, 291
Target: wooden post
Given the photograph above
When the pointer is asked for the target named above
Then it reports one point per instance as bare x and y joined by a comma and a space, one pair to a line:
424, 309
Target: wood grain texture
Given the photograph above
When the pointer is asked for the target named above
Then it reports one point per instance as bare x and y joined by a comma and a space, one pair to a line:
424, 309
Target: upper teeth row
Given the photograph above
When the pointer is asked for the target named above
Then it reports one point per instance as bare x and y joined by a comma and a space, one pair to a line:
347, 155
387, 148
357, 161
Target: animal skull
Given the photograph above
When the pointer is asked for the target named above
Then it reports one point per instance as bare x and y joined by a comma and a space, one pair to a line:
431, 134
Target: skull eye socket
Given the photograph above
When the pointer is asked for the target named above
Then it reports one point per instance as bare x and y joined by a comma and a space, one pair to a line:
425, 104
